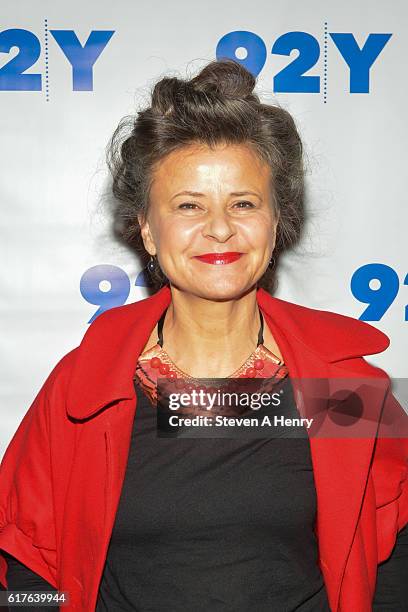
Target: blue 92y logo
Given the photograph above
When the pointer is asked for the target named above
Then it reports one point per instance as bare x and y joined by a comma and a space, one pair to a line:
250, 50
380, 296
82, 58
108, 286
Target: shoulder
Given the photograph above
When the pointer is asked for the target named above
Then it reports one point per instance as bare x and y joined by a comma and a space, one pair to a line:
60, 374
336, 335
330, 319
121, 318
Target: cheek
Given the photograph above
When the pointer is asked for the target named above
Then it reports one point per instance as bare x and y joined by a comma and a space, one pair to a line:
259, 234
175, 235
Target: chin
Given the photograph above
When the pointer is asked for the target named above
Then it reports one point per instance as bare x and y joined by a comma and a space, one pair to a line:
223, 289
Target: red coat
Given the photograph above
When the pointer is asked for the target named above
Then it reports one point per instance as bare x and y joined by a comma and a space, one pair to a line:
62, 473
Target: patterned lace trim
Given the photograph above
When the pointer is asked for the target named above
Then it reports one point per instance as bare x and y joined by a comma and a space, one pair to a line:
146, 376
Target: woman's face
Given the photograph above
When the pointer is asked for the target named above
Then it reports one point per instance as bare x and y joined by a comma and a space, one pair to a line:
211, 201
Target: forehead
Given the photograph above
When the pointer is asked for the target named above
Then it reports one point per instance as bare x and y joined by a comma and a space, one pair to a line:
224, 165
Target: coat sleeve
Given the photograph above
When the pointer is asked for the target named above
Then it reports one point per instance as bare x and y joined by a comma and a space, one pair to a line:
27, 521
392, 577
390, 475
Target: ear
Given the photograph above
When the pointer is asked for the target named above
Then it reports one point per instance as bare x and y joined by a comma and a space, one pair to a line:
276, 222
275, 229
146, 235
277, 218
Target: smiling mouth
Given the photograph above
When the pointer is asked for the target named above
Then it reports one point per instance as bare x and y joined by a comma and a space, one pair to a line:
219, 258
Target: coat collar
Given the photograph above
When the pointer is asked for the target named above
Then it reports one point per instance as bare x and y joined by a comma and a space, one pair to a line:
106, 357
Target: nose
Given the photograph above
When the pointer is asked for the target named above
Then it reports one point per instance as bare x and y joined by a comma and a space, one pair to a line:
219, 226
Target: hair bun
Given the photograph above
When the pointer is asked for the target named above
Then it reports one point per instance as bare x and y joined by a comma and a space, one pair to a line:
226, 77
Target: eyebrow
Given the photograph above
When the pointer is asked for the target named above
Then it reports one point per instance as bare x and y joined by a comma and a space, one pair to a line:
197, 194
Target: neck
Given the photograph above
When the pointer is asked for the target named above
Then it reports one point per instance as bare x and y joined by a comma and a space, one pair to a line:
210, 338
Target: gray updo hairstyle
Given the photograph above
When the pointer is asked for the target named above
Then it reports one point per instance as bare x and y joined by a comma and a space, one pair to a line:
216, 106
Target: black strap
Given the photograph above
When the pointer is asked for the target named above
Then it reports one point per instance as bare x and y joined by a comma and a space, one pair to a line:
161, 323
261, 327
160, 328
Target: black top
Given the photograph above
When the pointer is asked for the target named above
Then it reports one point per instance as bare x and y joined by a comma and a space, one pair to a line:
214, 524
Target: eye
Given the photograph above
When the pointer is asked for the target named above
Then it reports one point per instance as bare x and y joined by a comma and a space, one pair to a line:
251, 204
187, 204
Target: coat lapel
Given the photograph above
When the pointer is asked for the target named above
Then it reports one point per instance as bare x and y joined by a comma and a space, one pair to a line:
313, 345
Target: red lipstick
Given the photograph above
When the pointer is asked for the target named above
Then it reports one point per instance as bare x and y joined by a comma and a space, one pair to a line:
219, 258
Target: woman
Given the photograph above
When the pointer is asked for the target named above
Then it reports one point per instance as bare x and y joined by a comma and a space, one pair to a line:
93, 502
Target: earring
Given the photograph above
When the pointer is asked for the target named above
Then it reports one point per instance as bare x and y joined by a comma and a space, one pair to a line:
151, 265
271, 263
